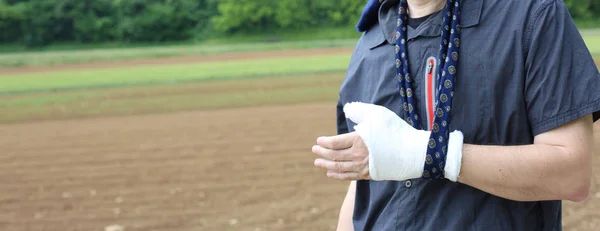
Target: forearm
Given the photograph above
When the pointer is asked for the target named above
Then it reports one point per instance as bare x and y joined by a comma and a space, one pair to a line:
529, 172
557, 166
347, 209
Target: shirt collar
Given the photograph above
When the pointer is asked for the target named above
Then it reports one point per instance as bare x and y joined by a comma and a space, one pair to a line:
388, 15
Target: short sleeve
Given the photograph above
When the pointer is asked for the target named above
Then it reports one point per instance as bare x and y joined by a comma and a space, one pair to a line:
562, 82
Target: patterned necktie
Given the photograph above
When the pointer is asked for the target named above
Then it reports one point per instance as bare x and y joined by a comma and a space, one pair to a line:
446, 74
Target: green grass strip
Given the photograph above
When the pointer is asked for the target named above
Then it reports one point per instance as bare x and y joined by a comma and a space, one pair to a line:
170, 73
45, 58
593, 43
169, 98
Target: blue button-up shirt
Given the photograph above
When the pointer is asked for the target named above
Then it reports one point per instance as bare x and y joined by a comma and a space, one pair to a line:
524, 69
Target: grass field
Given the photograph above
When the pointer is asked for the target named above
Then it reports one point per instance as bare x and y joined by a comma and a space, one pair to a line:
216, 154
45, 58
592, 40
167, 98
65, 55
286, 37
171, 73
42, 95
224, 146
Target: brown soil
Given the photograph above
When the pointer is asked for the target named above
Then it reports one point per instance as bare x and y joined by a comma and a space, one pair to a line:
178, 60
232, 169
236, 169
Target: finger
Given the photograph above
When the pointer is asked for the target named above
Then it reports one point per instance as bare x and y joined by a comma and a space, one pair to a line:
335, 155
338, 142
338, 166
347, 176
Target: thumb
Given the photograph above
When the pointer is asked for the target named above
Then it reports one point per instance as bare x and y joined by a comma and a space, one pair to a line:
358, 112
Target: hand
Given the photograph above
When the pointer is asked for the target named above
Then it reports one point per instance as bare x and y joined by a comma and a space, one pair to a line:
384, 147
397, 150
347, 156
344, 156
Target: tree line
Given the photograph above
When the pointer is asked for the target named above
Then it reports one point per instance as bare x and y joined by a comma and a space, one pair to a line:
42, 22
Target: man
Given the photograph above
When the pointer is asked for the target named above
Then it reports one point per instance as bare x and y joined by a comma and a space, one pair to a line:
463, 115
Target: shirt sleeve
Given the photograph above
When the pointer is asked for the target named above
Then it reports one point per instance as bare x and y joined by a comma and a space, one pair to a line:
342, 126
562, 81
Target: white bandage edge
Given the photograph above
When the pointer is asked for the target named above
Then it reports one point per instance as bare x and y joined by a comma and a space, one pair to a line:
454, 156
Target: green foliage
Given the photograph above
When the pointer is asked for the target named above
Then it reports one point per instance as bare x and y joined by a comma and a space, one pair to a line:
582, 9
41, 22
244, 15
10, 19
270, 15
36, 23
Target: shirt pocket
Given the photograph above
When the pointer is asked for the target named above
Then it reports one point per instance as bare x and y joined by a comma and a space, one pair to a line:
470, 103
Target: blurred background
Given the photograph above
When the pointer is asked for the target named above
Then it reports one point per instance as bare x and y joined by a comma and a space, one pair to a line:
183, 114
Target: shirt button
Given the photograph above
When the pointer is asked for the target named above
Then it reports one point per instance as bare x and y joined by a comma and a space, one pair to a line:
408, 184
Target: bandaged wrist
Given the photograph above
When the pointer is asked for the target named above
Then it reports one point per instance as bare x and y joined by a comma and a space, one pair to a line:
397, 151
454, 156
399, 154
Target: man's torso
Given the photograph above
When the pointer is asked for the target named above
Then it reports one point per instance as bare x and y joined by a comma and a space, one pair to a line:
489, 108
